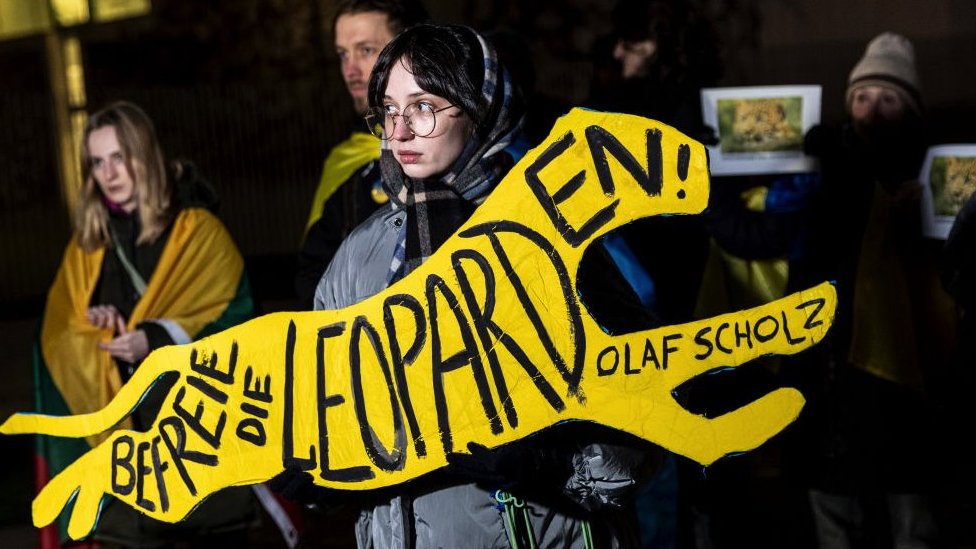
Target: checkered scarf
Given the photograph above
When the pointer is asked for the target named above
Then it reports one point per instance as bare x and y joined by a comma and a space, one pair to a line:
437, 207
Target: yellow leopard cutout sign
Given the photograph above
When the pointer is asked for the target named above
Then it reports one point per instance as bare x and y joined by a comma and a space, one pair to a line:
486, 342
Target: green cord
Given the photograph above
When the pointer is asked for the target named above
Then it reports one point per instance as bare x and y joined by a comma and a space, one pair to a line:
528, 525
504, 499
587, 534
510, 503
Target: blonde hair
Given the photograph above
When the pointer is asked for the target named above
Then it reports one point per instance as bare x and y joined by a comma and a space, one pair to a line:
146, 166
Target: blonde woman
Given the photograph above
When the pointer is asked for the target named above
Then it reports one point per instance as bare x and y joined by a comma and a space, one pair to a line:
147, 266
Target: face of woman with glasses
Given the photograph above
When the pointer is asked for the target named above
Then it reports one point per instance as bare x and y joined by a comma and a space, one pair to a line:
425, 131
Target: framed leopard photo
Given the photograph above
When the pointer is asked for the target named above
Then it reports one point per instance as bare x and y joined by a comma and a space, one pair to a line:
760, 129
948, 179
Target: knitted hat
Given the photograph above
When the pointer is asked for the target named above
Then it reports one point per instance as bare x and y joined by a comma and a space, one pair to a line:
889, 61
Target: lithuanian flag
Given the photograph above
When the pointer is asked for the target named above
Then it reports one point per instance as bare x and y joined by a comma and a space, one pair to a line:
198, 288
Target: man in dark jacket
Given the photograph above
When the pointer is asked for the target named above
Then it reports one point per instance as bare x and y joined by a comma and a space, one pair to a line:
349, 189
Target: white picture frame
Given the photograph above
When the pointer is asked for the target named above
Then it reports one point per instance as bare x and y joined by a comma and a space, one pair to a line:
760, 129
948, 178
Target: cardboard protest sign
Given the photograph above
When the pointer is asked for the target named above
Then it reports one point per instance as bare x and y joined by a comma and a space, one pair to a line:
486, 342
760, 129
948, 179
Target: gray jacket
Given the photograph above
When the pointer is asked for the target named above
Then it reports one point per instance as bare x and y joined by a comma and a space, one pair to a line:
466, 515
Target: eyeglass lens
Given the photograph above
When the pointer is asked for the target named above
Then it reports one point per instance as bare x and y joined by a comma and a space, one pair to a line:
420, 120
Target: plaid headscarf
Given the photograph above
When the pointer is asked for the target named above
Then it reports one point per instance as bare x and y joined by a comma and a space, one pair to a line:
438, 206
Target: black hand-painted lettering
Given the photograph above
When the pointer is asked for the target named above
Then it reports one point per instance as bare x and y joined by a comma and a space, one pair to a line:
252, 430
572, 376
194, 421
485, 326
209, 368
650, 355
257, 393
207, 389
602, 370
786, 330
757, 329
288, 458
388, 460
684, 159
601, 142
467, 356
627, 366
256, 411
667, 349
742, 334
628, 370
123, 462
142, 472
200, 367
701, 340
478, 319
325, 401
570, 188
400, 361
160, 467
178, 451
718, 338
549, 203
818, 305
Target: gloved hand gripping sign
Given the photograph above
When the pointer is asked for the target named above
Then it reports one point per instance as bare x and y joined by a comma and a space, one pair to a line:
486, 342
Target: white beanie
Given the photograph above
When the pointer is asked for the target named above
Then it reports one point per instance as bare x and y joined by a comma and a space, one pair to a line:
888, 61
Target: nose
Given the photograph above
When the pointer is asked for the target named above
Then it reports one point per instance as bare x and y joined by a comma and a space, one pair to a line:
618, 50
109, 170
400, 131
875, 111
351, 68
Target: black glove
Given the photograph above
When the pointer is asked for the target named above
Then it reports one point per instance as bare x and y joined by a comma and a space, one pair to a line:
517, 465
297, 485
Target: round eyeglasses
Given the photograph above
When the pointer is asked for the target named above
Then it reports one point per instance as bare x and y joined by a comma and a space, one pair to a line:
419, 117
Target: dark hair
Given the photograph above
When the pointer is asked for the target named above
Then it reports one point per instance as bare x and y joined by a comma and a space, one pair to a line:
400, 14
639, 20
686, 40
446, 60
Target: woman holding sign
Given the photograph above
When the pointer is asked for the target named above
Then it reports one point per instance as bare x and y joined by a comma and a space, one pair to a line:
148, 265
445, 110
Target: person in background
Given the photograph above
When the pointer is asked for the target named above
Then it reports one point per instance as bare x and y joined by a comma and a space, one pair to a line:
653, 46
148, 265
663, 53
350, 189
868, 444
754, 223
654, 63
446, 109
